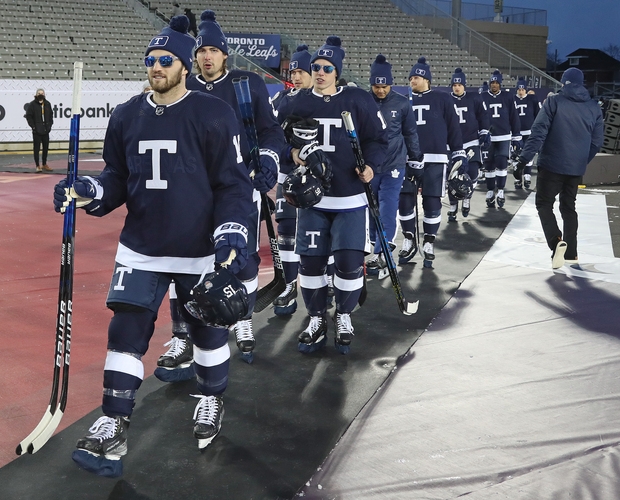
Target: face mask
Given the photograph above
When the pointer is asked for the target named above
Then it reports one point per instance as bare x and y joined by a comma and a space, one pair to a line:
40, 98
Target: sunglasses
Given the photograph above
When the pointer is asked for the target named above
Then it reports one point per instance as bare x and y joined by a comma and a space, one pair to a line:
164, 61
327, 69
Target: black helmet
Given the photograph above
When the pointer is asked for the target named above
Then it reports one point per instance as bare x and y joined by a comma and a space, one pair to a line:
220, 299
302, 189
461, 186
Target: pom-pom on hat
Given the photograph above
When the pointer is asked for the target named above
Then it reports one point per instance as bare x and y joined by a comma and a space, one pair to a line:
459, 77
521, 84
572, 75
496, 77
175, 39
331, 51
381, 71
421, 69
210, 33
300, 59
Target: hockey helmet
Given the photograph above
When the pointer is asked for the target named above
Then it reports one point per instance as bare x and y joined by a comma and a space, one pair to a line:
302, 189
461, 186
219, 300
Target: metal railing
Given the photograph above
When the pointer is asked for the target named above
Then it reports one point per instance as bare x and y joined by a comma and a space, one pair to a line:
476, 44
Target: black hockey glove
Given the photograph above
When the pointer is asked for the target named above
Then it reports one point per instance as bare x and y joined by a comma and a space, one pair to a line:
299, 131
516, 144
318, 163
517, 172
231, 247
458, 164
266, 175
87, 192
484, 139
414, 170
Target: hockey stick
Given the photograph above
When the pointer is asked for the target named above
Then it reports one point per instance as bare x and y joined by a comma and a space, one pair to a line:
267, 294
405, 307
56, 408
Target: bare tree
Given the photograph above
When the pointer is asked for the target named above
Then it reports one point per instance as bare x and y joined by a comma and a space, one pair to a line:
613, 50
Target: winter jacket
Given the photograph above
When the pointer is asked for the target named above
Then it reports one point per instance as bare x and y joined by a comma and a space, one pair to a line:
402, 131
35, 118
567, 133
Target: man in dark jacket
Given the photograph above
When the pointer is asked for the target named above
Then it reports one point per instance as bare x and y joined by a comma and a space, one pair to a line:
403, 144
568, 132
40, 118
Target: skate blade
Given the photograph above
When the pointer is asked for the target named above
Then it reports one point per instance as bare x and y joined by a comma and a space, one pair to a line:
286, 310
106, 466
203, 443
248, 357
428, 263
172, 375
342, 349
383, 273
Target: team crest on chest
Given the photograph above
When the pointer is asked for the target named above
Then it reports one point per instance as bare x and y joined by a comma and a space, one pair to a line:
159, 110
326, 98
209, 86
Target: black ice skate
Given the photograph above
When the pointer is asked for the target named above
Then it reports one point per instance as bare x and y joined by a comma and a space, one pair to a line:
409, 248
374, 265
314, 336
208, 418
245, 339
518, 184
501, 200
429, 250
527, 180
452, 213
465, 207
490, 199
285, 304
344, 332
177, 363
100, 452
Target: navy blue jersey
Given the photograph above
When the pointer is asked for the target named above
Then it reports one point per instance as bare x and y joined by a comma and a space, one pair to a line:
438, 125
472, 117
502, 115
277, 98
401, 129
347, 190
178, 169
527, 109
270, 135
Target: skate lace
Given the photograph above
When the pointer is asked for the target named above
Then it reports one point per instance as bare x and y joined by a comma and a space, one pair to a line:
428, 247
344, 324
177, 346
288, 289
243, 330
330, 280
206, 409
103, 428
466, 203
407, 244
314, 325
500, 193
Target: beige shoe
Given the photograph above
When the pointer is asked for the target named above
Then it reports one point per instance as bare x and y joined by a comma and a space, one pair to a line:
38, 169
47, 169
557, 261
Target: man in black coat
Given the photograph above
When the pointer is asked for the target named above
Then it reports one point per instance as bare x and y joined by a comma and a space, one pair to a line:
40, 118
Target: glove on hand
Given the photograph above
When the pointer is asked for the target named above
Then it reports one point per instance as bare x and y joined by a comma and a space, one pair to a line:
231, 241
458, 164
517, 172
318, 163
484, 139
414, 170
266, 175
85, 190
516, 144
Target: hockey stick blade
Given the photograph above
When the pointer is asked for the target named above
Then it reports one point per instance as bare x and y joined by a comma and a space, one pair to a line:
56, 407
405, 307
270, 292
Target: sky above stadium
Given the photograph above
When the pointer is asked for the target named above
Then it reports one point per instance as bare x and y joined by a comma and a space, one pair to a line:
575, 24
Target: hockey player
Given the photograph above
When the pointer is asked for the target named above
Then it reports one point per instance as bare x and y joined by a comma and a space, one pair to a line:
527, 108
474, 122
211, 53
506, 134
438, 126
338, 222
402, 144
172, 158
286, 215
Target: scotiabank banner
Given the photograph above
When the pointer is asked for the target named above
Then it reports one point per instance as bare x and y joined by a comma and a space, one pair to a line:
263, 49
99, 98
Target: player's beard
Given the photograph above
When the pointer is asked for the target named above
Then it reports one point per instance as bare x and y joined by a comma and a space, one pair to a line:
171, 81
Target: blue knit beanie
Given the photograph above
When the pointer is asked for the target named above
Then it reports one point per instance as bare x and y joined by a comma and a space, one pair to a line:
331, 51
300, 59
210, 33
496, 77
175, 39
381, 72
521, 84
421, 69
572, 75
459, 77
